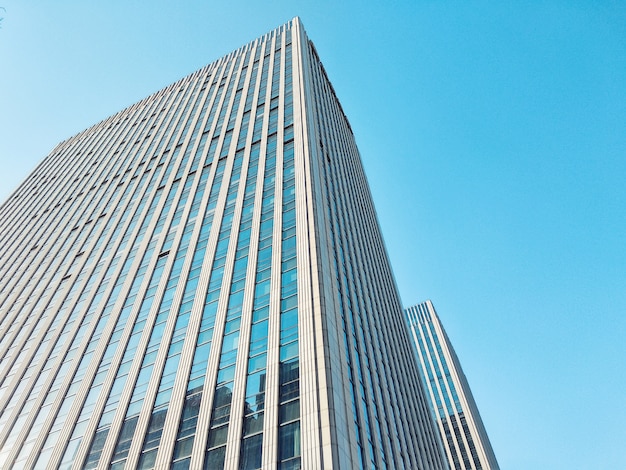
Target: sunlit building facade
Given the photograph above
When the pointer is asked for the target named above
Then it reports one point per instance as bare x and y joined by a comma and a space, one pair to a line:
199, 281
462, 431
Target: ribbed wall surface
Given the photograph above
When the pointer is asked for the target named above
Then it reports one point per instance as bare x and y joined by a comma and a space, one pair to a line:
374, 380
200, 281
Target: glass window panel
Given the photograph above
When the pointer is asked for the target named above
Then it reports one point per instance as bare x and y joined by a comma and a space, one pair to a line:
289, 303
288, 319
251, 452
253, 424
290, 390
181, 464
125, 437
218, 436
215, 458
289, 441
183, 448
289, 276
147, 460
259, 330
232, 325
256, 383
223, 395
230, 342
163, 397
289, 411
237, 298
288, 351
295, 464
255, 402
258, 346
221, 412
257, 363
262, 288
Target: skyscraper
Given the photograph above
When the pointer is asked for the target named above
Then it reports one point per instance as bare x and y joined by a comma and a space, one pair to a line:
200, 281
463, 433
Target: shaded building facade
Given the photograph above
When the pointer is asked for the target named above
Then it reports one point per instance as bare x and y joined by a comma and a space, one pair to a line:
199, 281
462, 431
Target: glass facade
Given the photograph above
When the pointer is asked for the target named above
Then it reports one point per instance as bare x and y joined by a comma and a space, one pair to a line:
199, 281
462, 432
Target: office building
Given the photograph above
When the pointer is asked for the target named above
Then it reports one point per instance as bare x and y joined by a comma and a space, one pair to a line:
199, 281
465, 440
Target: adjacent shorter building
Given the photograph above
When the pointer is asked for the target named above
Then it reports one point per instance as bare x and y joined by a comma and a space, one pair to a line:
462, 431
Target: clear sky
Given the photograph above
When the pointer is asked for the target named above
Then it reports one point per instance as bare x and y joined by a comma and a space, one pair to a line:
494, 138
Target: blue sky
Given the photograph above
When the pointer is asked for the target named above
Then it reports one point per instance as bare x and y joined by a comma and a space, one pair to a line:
494, 138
